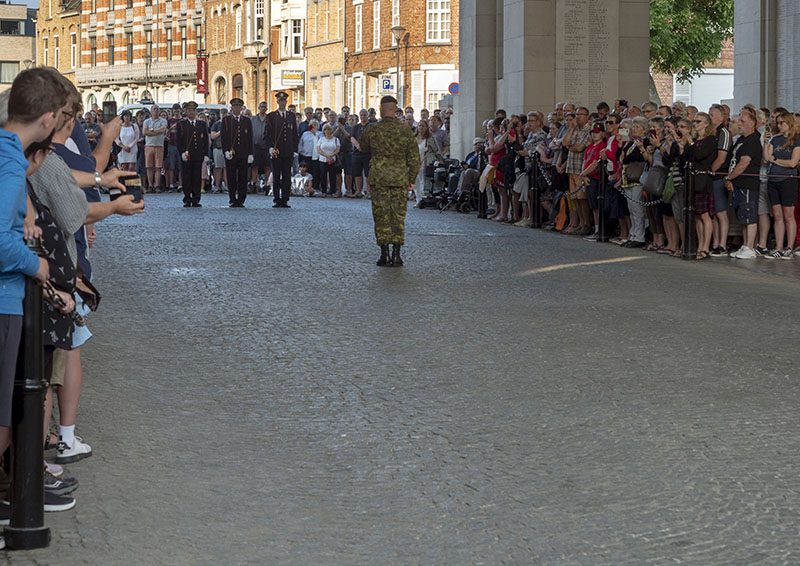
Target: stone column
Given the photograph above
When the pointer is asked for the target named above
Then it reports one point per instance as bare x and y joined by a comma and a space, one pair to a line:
477, 70
755, 73
552, 50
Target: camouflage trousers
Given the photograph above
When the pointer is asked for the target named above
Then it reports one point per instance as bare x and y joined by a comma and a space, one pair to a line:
389, 213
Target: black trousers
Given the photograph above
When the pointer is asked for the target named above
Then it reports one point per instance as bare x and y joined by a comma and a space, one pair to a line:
192, 179
282, 178
236, 170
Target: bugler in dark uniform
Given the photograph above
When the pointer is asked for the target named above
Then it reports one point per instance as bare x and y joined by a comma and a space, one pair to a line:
192, 141
281, 139
392, 170
237, 147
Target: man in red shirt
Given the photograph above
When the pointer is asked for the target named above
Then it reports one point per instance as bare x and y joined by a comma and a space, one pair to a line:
590, 174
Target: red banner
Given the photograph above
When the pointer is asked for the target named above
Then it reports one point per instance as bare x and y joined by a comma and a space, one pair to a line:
202, 75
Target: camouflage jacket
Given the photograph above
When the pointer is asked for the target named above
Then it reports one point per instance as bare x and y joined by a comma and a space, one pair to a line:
395, 155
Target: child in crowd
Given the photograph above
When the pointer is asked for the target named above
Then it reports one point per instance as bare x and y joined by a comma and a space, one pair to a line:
302, 183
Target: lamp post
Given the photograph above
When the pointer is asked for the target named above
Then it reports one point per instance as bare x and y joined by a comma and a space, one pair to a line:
397, 32
258, 45
148, 60
28, 63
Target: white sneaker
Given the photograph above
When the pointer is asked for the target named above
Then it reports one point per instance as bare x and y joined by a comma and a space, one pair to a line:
523, 223
68, 454
744, 253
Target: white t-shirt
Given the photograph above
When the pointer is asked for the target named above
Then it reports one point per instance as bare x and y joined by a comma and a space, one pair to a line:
328, 146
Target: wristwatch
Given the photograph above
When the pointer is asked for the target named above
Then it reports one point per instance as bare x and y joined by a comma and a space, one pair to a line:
98, 180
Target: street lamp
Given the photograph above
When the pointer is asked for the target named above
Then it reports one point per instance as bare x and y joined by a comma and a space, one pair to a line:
148, 60
258, 45
28, 63
397, 32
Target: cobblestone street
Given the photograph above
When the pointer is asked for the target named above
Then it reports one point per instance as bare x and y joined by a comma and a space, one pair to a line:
259, 392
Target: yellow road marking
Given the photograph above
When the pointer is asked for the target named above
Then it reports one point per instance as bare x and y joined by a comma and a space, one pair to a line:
568, 265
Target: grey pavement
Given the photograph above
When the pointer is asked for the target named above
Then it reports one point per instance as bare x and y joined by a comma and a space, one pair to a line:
259, 392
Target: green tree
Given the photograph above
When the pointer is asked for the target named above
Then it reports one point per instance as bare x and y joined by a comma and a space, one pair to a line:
685, 35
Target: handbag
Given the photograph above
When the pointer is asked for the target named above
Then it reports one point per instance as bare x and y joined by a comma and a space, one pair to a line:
669, 188
653, 185
634, 171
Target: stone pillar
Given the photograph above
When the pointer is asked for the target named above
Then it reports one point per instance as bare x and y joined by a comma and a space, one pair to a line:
756, 30
477, 69
552, 50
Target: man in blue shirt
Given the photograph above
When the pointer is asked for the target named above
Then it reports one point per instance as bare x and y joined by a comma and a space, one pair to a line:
35, 98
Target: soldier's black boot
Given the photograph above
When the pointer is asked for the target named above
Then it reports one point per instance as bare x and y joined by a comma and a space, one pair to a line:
384, 260
397, 261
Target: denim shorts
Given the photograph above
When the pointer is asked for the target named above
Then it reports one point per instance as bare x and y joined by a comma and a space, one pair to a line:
720, 196
173, 159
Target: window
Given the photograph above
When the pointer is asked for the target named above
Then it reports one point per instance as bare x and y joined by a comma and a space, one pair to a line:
260, 19
184, 40
169, 44
237, 37
198, 39
438, 21
395, 18
110, 50
376, 24
93, 50
8, 71
222, 92
73, 49
56, 51
11, 27
129, 4
248, 24
238, 86
129, 47
45, 52
297, 38
433, 99
148, 41
109, 98
110, 5
358, 28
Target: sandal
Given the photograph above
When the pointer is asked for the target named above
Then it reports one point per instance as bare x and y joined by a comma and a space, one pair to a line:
702, 255
665, 251
50, 445
679, 253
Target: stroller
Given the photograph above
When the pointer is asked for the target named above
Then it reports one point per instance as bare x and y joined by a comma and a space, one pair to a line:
439, 174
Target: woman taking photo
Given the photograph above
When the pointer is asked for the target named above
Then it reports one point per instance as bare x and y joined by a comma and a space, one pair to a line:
782, 153
633, 161
328, 147
428, 153
703, 154
676, 157
128, 140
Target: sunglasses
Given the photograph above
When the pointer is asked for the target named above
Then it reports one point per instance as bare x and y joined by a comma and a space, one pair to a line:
698, 121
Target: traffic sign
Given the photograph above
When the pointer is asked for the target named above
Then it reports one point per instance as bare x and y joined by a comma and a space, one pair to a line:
386, 84
453, 88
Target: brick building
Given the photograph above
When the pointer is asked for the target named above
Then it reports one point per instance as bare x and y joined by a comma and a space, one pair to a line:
17, 41
58, 35
325, 54
428, 51
256, 47
140, 49
716, 83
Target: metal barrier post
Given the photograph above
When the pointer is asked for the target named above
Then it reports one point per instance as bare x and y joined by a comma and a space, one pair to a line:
536, 204
689, 231
601, 204
26, 529
483, 201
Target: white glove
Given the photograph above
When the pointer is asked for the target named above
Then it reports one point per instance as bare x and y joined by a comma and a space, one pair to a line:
228, 155
185, 156
249, 159
272, 153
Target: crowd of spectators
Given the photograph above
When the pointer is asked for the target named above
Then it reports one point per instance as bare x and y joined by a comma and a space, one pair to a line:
52, 168
644, 169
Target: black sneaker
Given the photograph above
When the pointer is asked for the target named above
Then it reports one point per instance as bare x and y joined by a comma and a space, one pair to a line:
53, 502
718, 252
761, 252
59, 486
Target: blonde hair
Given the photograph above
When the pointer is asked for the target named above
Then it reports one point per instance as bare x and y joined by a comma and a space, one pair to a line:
794, 128
709, 130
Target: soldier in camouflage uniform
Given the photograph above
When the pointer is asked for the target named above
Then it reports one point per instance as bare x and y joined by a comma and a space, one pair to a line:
393, 168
